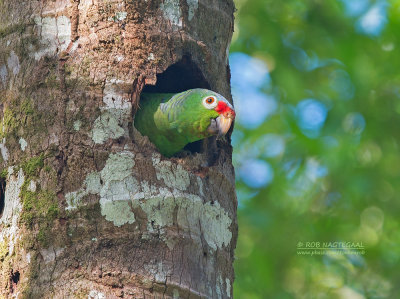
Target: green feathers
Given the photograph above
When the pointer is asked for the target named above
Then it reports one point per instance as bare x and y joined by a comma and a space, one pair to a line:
173, 120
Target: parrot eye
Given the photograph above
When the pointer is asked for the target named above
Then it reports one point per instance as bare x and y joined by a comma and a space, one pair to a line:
210, 102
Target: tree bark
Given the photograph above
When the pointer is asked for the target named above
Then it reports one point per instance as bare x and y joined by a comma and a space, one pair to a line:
89, 208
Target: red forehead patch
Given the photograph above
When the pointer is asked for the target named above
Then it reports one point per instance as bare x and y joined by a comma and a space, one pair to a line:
223, 108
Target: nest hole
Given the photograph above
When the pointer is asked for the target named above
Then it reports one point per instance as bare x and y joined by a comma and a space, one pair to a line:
2, 195
181, 76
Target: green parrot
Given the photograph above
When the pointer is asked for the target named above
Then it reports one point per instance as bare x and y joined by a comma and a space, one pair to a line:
171, 121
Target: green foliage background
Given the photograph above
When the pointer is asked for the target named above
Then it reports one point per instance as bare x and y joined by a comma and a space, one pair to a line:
336, 182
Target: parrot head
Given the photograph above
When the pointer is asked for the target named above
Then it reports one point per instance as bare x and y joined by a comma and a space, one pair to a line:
220, 112
199, 113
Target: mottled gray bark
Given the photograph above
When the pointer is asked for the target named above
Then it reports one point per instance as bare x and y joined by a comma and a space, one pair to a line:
91, 209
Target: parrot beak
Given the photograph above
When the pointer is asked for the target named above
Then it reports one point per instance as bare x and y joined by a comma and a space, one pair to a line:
221, 125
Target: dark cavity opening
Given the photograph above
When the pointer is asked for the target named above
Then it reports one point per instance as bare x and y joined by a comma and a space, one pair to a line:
181, 76
14, 279
195, 147
2, 195
15, 276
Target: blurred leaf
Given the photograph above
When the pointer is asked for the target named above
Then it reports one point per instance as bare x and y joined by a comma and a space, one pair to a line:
316, 85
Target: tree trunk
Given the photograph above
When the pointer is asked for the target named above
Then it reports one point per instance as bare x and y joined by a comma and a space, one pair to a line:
89, 208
